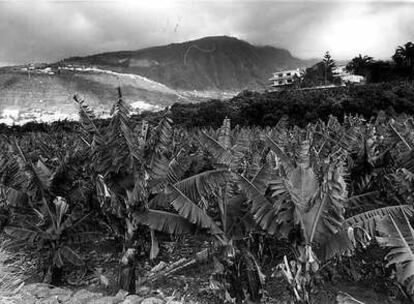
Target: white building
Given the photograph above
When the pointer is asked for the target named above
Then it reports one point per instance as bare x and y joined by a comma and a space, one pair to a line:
47, 70
139, 106
340, 71
285, 78
11, 113
7, 121
353, 79
347, 77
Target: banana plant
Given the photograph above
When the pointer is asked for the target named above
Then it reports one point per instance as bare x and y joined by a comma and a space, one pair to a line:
118, 169
140, 183
39, 218
397, 235
52, 231
241, 153
209, 202
306, 198
300, 199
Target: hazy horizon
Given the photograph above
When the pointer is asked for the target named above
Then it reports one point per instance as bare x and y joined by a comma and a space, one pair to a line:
46, 31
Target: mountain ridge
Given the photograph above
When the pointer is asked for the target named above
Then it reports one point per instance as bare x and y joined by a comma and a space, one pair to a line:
209, 68
209, 63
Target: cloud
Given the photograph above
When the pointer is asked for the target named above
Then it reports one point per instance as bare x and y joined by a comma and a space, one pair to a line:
48, 31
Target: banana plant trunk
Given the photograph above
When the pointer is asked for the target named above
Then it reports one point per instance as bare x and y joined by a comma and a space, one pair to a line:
127, 277
298, 278
56, 276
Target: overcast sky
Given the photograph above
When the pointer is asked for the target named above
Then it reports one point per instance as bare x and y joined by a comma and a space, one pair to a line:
51, 30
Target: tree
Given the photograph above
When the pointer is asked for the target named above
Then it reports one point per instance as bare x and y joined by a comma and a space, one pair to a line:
314, 76
329, 65
404, 59
404, 55
359, 65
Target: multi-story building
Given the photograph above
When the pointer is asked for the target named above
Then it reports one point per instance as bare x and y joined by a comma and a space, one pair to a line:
285, 78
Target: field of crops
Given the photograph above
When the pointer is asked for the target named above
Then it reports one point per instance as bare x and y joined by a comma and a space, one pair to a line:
303, 205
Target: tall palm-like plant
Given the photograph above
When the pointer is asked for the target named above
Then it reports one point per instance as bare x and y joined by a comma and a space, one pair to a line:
359, 65
212, 201
404, 55
141, 182
52, 232
213, 196
46, 222
397, 234
386, 221
304, 207
305, 198
293, 197
120, 169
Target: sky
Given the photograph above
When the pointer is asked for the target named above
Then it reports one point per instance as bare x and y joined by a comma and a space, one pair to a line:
46, 31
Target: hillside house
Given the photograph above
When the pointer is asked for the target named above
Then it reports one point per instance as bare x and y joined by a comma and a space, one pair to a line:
11, 113
340, 71
285, 78
47, 70
345, 76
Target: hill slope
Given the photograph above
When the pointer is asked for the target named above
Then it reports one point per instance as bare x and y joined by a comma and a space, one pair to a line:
55, 92
217, 67
210, 63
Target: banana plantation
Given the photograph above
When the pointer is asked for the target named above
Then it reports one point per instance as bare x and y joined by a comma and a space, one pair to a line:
242, 206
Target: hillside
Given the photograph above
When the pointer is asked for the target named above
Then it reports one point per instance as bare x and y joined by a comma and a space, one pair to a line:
211, 63
54, 91
152, 78
299, 106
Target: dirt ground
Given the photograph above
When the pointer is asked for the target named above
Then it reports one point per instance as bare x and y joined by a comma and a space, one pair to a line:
192, 285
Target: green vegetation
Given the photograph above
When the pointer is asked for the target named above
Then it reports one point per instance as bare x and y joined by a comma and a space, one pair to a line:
266, 109
301, 106
401, 68
313, 191
360, 65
